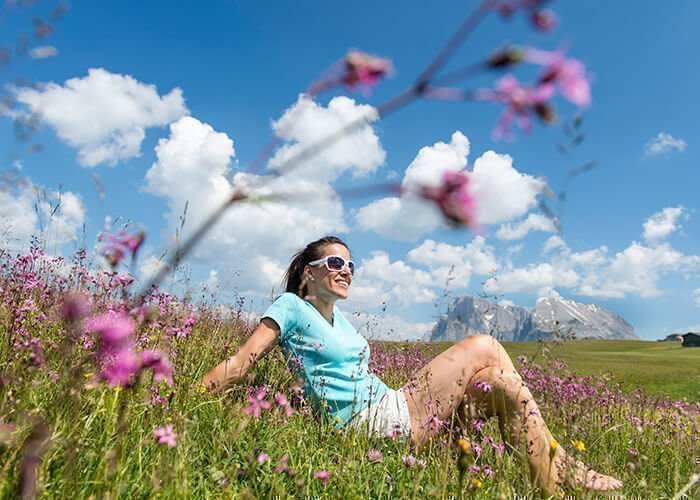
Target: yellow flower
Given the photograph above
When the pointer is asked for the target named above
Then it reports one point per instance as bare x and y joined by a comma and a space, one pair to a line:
464, 445
88, 374
578, 445
553, 445
117, 389
339, 420
477, 483
168, 419
202, 388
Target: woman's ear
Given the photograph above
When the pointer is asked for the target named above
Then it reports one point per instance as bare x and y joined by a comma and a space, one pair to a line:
307, 274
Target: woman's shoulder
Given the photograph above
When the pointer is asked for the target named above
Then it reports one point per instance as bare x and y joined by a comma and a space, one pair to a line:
288, 301
288, 297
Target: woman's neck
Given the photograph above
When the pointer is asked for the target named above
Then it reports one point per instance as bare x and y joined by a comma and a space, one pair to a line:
325, 307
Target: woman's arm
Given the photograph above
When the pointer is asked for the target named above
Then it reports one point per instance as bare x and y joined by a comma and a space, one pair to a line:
234, 369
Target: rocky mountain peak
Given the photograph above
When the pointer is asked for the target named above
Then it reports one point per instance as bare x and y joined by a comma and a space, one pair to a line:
551, 317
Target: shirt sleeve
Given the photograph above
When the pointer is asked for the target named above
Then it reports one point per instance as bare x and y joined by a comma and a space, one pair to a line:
284, 312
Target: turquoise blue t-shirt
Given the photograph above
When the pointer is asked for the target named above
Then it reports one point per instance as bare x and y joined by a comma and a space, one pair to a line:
333, 358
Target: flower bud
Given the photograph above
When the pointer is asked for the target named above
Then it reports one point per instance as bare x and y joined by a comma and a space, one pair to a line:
544, 19
505, 57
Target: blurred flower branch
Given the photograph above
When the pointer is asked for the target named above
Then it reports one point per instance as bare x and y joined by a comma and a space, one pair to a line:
359, 70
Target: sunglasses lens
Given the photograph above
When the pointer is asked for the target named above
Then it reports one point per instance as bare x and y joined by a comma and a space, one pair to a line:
351, 266
335, 263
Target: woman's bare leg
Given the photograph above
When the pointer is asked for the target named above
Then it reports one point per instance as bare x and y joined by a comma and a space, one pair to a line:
453, 382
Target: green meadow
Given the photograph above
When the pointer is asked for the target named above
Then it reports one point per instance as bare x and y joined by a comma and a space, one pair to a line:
102, 445
664, 369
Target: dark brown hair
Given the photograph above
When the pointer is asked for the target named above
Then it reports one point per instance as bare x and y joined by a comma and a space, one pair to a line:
293, 277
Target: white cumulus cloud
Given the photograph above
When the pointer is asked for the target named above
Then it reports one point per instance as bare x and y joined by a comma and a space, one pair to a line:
536, 278
636, 270
662, 223
518, 230
502, 193
31, 210
149, 266
388, 327
379, 280
552, 243
307, 122
104, 115
664, 143
452, 266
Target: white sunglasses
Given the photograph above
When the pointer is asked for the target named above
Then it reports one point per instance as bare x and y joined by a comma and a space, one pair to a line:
335, 263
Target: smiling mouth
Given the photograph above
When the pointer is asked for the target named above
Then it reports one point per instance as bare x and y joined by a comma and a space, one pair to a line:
345, 283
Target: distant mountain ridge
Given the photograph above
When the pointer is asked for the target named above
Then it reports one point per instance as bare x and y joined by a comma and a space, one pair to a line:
552, 317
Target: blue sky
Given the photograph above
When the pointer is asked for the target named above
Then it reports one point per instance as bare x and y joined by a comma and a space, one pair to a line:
206, 85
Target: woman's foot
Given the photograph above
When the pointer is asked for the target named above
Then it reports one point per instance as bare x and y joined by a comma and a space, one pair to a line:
575, 474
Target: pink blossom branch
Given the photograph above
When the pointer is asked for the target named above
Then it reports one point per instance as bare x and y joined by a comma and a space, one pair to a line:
363, 69
467, 27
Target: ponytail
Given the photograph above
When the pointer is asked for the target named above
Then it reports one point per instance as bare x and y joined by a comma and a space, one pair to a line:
292, 280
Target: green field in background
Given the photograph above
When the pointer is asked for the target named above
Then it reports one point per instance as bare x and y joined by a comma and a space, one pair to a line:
660, 368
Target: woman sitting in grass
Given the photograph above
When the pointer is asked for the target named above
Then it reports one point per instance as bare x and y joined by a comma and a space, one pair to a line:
475, 375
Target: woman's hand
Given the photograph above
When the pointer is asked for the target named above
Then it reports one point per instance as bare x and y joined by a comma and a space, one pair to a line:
233, 370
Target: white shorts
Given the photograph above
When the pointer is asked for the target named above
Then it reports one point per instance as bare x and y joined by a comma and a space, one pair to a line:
388, 417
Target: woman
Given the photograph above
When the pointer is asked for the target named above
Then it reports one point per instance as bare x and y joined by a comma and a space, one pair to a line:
333, 358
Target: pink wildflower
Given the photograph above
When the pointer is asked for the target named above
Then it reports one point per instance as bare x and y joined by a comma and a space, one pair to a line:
263, 457
282, 466
412, 462
322, 475
374, 455
282, 402
117, 245
124, 279
114, 328
542, 19
123, 367
364, 69
74, 307
158, 361
166, 435
452, 197
521, 102
483, 385
257, 403
569, 74
435, 423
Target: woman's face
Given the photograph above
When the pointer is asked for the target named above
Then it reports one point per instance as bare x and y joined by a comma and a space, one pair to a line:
327, 284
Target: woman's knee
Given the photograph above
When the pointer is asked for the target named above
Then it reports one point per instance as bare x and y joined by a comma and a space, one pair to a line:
483, 349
